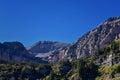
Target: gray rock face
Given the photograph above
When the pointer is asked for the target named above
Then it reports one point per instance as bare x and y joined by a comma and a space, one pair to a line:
97, 38
107, 61
46, 48
15, 51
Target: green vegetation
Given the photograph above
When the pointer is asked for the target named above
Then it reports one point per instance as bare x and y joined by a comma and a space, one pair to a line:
112, 72
64, 70
81, 69
111, 49
23, 71
109, 72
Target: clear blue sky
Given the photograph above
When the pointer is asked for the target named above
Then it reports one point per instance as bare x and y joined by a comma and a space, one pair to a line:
29, 21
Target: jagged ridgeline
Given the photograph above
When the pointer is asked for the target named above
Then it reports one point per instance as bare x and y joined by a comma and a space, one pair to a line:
103, 65
94, 56
86, 45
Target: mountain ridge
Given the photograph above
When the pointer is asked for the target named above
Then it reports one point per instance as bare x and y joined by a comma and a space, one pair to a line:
85, 46
100, 36
94, 56
103, 65
16, 52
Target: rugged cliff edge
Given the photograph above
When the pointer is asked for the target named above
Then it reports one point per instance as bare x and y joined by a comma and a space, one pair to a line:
86, 45
97, 53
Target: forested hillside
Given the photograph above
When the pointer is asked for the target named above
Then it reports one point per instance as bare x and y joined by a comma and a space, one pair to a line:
95, 67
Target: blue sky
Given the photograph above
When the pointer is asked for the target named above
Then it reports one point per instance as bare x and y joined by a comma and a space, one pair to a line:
29, 21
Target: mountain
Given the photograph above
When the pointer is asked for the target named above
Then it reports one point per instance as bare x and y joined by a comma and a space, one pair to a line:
16, 52
46, 48
104, 64
86, 45
94, 56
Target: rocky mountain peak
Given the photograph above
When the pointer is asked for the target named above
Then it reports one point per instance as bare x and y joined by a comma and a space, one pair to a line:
113, 19
95, 39
45, 48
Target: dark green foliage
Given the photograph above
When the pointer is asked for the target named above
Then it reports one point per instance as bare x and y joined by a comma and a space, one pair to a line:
51, 75
87, 70
81, 69
23, 70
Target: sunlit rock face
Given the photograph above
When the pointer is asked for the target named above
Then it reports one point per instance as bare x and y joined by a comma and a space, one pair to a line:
97, 38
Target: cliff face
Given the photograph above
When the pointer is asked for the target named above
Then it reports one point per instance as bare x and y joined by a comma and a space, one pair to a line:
108, 55
97, 38
15, 51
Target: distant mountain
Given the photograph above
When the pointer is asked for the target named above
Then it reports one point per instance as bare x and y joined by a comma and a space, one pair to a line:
16, 52
87, 44
46, 48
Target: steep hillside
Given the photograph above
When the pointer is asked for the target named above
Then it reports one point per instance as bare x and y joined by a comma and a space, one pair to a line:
96, 39
108, 55
15, 51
